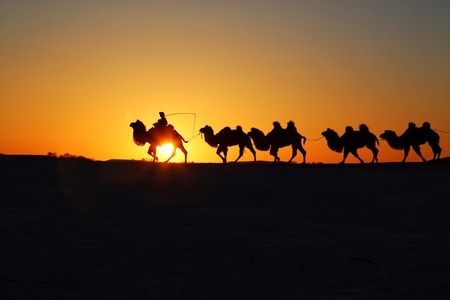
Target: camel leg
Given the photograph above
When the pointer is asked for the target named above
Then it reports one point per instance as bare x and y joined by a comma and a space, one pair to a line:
276, 158
172, 155
224, 150
225, 153
152, 152
274, 153
252, 150
346, 152
374, 154
405, 153
294, 154
181, 147
355, 154
439, 150
303, 152
241, 152
416, 149
436, 151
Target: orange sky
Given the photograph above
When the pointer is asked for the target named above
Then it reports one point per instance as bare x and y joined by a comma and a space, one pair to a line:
74, 75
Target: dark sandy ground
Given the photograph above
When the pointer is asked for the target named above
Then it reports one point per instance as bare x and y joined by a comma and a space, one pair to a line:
74, 229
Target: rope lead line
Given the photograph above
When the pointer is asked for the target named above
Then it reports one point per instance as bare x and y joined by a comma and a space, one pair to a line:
315, 139
187, 113
442, 131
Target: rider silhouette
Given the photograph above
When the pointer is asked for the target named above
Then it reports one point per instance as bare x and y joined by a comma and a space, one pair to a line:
162, 121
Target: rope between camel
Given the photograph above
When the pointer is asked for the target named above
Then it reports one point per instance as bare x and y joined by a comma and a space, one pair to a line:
443, 131
314, 140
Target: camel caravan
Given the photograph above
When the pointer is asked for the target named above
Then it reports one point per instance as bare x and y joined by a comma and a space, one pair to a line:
348, 143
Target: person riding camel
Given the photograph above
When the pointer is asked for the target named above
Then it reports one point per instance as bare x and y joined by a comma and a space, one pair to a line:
162, 121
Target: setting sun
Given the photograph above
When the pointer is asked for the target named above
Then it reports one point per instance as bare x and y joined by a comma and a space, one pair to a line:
165, 150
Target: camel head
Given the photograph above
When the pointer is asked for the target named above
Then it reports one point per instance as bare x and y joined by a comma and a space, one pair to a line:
388, 135
206, 130
139, 133
260, 140
333, 140
255, 132
210, 138
330, 134
138, 125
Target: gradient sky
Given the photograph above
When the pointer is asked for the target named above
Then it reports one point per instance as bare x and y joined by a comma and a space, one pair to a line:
74, 74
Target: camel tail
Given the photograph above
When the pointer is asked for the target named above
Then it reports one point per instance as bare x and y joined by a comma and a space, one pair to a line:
182, 138
375, 138
303, 139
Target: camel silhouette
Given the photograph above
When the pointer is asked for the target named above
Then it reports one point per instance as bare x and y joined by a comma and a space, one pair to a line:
351, 141
157, 137
414, 137
277, 139
227, 137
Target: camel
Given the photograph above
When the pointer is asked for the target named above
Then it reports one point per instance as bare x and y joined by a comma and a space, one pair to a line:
414, 137
351, 141
227, 137
157, 137
278, 139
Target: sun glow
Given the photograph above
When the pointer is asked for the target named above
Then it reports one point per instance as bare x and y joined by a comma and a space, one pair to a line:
165, 150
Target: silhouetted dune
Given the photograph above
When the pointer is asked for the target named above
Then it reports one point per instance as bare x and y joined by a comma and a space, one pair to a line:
83, 229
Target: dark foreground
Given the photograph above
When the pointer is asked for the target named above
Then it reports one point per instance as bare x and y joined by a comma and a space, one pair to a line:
74, 229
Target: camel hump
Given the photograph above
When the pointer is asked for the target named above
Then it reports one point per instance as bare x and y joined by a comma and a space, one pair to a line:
225, 130
363, 128
349, 129
256, 130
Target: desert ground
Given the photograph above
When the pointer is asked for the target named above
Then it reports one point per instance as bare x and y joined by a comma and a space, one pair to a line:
118, 229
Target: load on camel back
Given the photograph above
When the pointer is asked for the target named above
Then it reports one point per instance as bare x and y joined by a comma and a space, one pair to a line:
278, 138
160, 134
